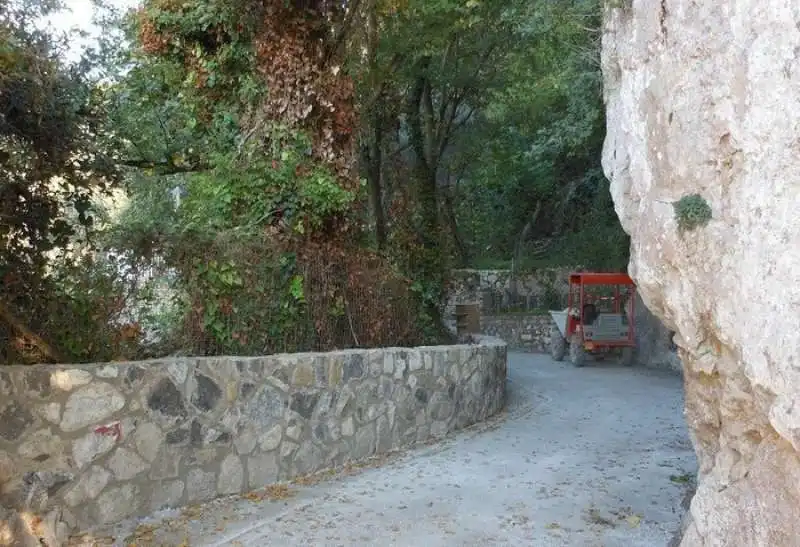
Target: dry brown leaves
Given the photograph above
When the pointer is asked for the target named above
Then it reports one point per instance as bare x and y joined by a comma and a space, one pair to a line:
308, 91
152, 41
374, 304
273, 492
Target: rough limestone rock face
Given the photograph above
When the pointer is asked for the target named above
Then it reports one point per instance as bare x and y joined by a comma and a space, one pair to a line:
654, 346
703, 97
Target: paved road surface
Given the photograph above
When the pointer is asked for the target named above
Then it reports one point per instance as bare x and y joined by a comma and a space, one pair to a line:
583, 457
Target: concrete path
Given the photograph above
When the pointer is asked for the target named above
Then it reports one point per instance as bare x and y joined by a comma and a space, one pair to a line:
596, 456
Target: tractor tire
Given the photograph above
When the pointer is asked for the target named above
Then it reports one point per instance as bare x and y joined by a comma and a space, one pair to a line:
626, 357
558, 346
577, 355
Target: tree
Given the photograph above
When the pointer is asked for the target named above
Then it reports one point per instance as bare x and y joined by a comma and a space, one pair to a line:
251, 112
532, 183
429, 67
50, 164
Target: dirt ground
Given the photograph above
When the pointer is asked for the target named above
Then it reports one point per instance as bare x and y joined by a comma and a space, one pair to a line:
597, 456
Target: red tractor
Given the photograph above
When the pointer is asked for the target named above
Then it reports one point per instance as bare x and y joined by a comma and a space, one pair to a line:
598, 320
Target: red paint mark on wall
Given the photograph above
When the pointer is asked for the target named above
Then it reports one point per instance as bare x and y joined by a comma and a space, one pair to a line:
110, 430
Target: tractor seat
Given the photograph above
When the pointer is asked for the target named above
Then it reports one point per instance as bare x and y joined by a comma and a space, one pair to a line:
589, 314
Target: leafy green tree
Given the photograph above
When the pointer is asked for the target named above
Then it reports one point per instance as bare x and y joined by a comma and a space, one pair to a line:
247, 114
533, 189
50, 164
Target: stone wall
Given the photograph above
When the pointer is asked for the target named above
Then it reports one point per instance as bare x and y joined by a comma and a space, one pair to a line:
99, 443
530, 332
537, 290
521, 331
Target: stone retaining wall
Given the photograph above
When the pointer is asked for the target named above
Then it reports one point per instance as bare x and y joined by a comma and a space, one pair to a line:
531, 333
99, 443
496, 289
521, 331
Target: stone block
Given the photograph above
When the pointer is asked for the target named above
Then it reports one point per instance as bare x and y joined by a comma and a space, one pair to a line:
116, 503
125, 464
271, 439
200, 485
88, 487
206, 393
167, 400
15, 420
148, 439
166, 494
231, 475
87, 448
91, 404
67, 380
262, 469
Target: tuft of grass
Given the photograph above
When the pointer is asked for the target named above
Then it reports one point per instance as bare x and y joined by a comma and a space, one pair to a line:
686, 478
691, 212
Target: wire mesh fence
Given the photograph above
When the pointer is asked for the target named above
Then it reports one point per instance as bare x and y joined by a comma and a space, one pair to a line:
234, 298
497, 302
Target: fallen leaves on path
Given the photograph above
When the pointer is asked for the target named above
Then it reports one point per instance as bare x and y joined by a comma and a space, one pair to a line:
634, 521
273, 492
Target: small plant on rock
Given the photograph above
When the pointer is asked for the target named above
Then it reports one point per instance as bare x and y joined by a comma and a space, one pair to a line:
691, 212
625, 5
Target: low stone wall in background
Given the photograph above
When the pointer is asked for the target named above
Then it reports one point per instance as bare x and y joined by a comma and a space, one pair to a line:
542, 289
521, 331
100, 443
531, 333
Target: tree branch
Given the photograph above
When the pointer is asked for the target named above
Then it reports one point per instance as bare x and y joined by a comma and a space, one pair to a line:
414, 113
429, 124
166, 167
18, 325
341, 34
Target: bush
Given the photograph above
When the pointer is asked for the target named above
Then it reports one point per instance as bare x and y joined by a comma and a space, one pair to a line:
83, 311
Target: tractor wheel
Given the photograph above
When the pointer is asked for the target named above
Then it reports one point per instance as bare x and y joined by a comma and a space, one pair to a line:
558, 346
626, 357
576, 352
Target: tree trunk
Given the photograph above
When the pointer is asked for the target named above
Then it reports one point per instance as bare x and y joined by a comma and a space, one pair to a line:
425, 158
374, 164
450, 214
429, 265
375, 145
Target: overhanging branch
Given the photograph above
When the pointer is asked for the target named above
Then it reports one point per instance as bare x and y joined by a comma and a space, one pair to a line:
166, 167
7, 316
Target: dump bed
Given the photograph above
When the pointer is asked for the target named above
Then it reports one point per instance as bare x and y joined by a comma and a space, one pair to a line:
560, 319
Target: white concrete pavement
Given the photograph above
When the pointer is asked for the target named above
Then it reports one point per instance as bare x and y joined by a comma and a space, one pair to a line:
595, 456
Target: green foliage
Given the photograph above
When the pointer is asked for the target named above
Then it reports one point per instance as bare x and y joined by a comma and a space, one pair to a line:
691, 212
243, 298
53, 165
255, 197
233, 240
532, 181
250, 195
50, 122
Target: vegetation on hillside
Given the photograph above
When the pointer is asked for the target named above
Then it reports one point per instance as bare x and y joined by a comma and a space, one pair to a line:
297, 176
